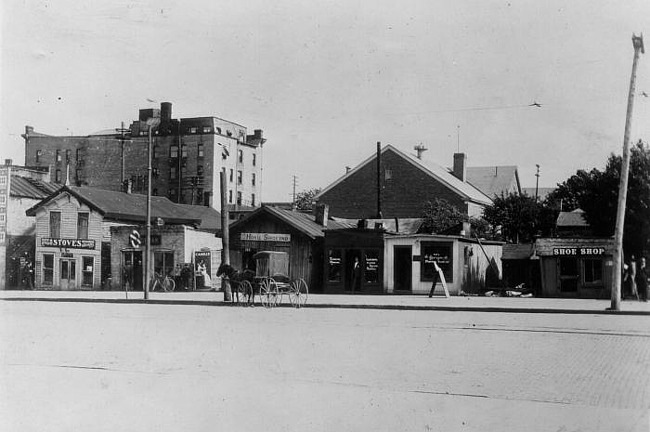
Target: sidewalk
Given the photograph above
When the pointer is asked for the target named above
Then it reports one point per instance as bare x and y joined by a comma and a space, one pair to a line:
387, 301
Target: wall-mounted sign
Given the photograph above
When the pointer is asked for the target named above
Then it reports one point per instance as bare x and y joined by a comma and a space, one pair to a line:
265, 237
579, 251
68, 243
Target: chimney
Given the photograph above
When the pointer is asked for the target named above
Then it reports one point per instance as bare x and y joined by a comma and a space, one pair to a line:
29, 129
9, 162
165, 112
420, 149
257, 133
321, 213
347, 169
460, 170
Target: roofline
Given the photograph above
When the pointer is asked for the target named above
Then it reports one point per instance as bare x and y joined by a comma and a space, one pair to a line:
414, 163
32, 211
272, 210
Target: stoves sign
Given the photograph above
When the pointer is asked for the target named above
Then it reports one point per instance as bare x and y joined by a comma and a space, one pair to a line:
579, 251
68, 243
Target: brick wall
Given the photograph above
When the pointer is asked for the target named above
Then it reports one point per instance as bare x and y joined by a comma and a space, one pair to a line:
403, 194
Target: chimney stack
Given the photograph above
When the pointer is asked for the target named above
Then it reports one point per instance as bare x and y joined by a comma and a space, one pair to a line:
321, 213
420, 149
9, 162
165, 112
460, 168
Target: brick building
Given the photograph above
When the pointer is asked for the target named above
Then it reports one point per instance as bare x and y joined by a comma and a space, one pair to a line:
75, 248
187, 157
407, 183
20, 189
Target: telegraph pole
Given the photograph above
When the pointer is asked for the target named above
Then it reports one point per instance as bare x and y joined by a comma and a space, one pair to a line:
537, 183
293, 202
637, 42
151, 123
122, 138
225, 236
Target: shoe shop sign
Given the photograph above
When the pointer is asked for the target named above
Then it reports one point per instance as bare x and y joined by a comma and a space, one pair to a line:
579, 251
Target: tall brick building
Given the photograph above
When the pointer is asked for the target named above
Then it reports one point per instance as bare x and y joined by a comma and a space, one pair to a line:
187, 156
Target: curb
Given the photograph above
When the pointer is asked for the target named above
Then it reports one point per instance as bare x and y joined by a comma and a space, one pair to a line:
215, 303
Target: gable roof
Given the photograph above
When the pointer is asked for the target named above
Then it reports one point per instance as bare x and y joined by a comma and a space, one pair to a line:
443, 175
494, 180
303, 222
26, 187
133, 207
575, 218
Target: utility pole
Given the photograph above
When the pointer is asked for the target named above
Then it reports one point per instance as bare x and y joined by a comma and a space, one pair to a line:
537, 183
637, 42
294, 205
122, 138
151, 123
225, 236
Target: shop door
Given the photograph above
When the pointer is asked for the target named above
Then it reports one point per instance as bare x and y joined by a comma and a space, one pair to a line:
569, 276
68, 274
353, 271
402, 276
132, 270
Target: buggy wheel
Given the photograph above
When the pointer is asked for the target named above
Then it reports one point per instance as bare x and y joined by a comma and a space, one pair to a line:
299, 293
268, 292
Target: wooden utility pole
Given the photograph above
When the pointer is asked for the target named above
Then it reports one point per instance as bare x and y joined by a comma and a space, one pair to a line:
225, 236
379, 209
637, 42
151, 123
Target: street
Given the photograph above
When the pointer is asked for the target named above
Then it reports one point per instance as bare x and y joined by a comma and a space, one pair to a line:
153, 367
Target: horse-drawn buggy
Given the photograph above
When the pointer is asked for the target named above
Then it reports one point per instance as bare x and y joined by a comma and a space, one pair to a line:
270, 281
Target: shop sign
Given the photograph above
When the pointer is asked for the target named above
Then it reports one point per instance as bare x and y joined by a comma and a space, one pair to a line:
68, 243
265, 237
372, 264
579, 251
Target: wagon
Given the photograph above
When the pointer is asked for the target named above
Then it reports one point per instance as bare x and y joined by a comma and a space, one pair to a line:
271, 276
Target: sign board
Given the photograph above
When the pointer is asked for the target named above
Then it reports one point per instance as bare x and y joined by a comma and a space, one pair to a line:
265, 237
68, 243
442, 279
579, 251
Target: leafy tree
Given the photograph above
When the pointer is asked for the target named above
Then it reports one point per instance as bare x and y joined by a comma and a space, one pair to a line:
596, 192
440, 215
305, 200
519, 217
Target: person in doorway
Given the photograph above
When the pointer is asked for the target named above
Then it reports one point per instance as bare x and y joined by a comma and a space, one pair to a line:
630, 277
356, 275
28, 273
642, 280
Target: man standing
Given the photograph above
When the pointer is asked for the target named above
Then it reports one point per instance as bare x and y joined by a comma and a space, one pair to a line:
642, 276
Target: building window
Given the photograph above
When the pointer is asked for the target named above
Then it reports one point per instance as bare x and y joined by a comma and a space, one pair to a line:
219, 130
155, 151
48, 269
3, 180
207, 129
199, 170
199, 196
58, 156
200, 150
39, 153
192, 130
3, 199
87, 271
441, 254
254, 159
238, 198
57, 177
78, 155
253, 200
173, 151
67, 156
240, 156
173, 173
388, 174
253, 179
231, 175
184, 151
163, 263
55, 224
593, 273
230, 197
240, 177
172, 194
184, 171
82, 225
334, 266
2, 216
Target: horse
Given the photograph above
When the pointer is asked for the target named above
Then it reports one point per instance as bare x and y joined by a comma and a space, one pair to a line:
238, 277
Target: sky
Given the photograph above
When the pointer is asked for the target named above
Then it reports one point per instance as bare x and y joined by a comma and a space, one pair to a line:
327, 80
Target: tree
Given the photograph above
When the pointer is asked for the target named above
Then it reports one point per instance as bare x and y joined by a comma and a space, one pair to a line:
519, 217
596, 192
440, 215
305, 200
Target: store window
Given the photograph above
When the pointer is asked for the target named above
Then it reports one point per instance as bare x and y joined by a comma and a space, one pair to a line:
200, 150
48, 269
87, 271
82, 225
372, 266
55, 224
593, 271
440, 253
334, 273
163, 263
173, 151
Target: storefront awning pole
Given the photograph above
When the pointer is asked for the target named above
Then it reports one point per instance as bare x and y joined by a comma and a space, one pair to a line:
637, 42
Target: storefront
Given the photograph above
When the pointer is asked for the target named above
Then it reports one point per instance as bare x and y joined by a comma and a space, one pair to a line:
575, 267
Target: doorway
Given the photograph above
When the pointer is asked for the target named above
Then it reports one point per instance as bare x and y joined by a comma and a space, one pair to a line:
402, 265
68, 274
353, 271
569, 275
132, 270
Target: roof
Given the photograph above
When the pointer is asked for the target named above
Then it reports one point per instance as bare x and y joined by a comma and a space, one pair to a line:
494, 180
303, 222
575, 218
517, 251
133, 207
400, 226
443, 175
26, 187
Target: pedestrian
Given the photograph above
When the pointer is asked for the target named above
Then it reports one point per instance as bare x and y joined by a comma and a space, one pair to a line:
630, 277
642, 279
29, 273
356, 275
